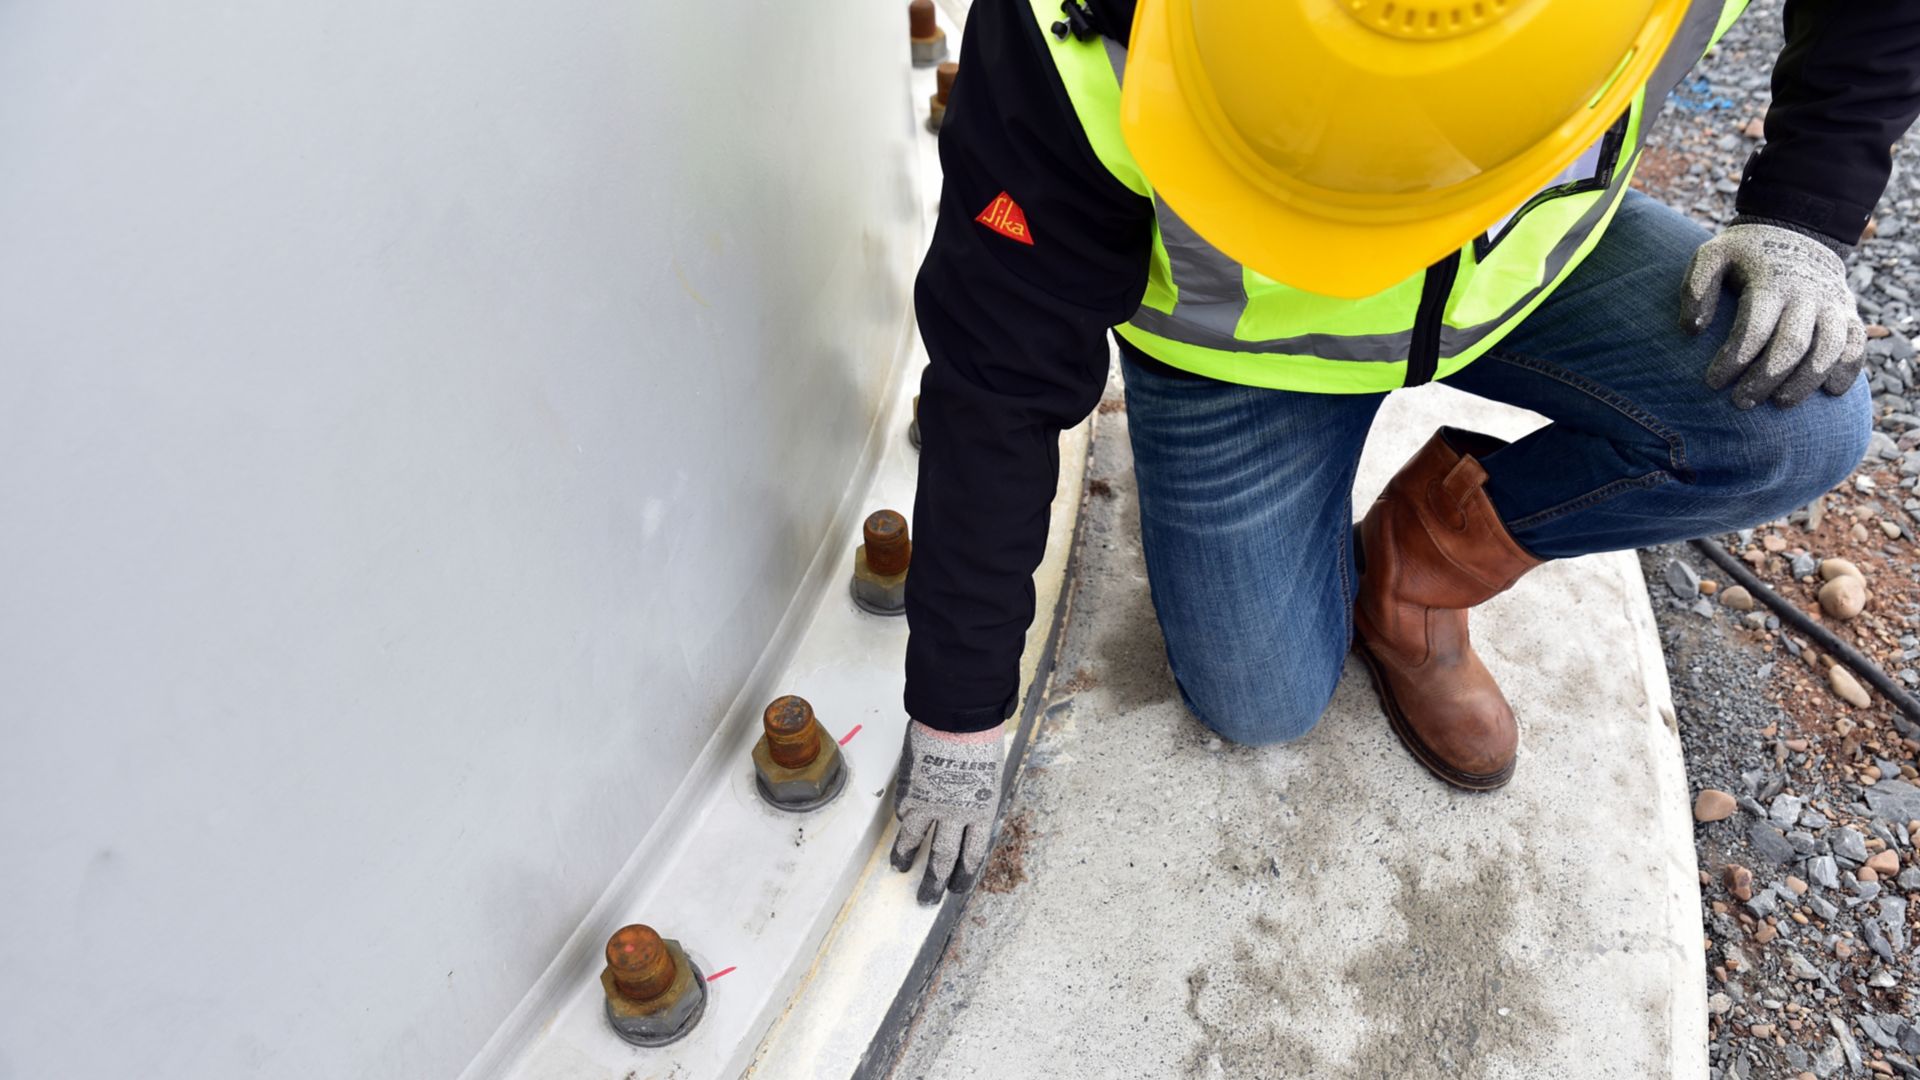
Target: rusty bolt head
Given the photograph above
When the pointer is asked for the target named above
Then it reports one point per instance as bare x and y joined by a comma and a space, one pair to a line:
793, 735
639, 961
920, 21
803, 788
880, 564
888, 547
943, 77
669, 1013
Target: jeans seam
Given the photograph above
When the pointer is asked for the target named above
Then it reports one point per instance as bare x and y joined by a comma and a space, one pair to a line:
1676, 447
1591, 498
1346, 576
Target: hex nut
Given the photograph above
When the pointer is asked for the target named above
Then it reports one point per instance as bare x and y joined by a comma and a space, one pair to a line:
664, 1019
929, 51
943, 77
879, 594
806, 788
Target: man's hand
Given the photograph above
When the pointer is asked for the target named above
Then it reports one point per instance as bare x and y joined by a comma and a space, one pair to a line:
948, 789
1797, 317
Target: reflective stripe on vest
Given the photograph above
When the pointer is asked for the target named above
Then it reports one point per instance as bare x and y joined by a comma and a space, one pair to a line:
1206, 313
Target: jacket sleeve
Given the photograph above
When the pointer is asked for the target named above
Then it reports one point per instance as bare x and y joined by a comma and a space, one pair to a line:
1016, 336
1845, 88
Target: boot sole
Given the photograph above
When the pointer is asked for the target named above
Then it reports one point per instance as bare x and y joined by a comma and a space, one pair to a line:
1465, 781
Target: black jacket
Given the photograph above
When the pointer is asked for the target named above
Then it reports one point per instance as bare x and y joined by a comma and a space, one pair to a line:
1017, 332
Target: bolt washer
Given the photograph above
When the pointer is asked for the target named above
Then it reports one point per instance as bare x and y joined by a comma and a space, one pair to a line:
693, 1018
854, 590
834, 787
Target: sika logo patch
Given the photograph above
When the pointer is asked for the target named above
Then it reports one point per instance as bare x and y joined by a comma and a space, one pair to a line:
1005, 217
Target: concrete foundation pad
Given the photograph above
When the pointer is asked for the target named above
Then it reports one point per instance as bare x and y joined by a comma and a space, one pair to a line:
1168, 905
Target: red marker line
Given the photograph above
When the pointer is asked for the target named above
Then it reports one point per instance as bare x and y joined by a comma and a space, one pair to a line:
848, 737
719, 973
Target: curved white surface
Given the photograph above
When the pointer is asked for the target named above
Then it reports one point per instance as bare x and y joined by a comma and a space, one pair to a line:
417, 424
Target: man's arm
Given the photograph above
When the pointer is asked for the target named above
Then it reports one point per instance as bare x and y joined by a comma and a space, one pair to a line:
1845, 89
1014, 308
1016, 333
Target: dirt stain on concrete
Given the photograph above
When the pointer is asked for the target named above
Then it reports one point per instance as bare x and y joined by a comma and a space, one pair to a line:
1007, 865
1426, 996
1442, 1001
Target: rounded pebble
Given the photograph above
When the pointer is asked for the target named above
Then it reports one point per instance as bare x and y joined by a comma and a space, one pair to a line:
1833, 568
1737, 598
1713, 805
1846, 687
1739, 881
1843, 597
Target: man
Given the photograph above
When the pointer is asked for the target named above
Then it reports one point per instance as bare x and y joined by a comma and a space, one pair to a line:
1287, 209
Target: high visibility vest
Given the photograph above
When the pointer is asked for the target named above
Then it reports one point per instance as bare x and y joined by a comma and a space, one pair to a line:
1203, 312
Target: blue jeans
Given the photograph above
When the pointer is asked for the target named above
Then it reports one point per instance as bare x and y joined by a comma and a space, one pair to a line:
1246, 494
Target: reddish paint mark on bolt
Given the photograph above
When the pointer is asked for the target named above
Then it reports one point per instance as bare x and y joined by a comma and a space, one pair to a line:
920, 23
888, 547
793, 735
719, 973
642, 967
943, 77
848, 737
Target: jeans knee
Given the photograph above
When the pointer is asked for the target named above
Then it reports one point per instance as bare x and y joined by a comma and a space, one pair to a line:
1256, 708
1789, 457
1825, 447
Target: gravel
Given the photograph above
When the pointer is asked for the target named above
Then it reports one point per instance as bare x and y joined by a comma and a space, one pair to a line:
1821, 980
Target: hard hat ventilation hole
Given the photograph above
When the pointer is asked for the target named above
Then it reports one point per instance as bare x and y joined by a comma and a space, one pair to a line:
1428, 20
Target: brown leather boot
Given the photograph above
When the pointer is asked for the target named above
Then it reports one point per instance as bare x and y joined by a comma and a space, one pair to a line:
1432, 547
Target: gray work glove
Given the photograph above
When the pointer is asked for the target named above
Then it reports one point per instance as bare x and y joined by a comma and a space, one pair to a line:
948, 788
1797, 326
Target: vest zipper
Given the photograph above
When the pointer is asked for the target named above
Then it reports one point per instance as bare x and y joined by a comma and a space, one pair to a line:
1423, 356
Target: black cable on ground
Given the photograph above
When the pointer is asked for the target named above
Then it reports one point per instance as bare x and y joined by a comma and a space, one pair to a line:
1791, 615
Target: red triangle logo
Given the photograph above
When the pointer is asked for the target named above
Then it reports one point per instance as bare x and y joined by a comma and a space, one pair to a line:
1005, 217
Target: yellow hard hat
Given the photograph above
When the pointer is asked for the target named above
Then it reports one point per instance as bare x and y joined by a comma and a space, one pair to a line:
1340, 146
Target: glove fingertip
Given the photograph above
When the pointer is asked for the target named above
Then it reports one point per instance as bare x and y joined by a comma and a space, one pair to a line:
1720, 374
1841, 379
906, 843
1695, 310
933, 885
961, 881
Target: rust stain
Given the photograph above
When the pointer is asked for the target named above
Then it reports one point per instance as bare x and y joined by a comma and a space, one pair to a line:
793, 735
642, 967
1007, 866
889, 549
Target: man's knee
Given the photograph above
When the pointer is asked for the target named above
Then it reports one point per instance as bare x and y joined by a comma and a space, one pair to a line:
1275, 702
1776, 459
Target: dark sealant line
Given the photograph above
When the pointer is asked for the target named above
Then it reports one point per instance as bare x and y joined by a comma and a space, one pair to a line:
1423, 358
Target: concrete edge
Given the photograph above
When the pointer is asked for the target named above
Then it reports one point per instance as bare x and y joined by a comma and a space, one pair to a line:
1674, 813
